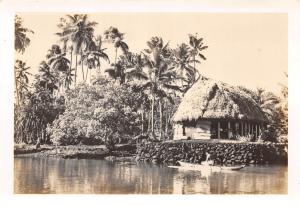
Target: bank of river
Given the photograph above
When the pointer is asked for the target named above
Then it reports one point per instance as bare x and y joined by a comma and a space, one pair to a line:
76, 151
58, 175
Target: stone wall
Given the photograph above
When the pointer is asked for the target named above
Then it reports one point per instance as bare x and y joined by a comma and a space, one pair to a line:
221, 153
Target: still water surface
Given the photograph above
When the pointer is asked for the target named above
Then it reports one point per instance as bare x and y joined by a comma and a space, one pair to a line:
50, 175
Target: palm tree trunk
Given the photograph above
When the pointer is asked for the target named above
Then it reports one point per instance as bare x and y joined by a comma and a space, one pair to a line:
71, 58
195, 69
75, 68
149, 121
161, 119
86, 75
98, 72
142, 109
17, 91
116, 56
152, 114
90, 77
82, 66
167, 121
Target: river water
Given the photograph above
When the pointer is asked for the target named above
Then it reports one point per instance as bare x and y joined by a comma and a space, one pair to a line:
87, 176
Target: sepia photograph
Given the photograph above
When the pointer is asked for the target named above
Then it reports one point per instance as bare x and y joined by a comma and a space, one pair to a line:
151, 103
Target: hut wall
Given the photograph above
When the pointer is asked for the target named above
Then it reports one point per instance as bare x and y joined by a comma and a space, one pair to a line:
178, 131
200, 131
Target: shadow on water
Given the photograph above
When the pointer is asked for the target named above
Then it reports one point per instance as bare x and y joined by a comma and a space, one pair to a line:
49, 175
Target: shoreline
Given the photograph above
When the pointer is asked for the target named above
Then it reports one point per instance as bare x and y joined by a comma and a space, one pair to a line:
166, 152
76, 152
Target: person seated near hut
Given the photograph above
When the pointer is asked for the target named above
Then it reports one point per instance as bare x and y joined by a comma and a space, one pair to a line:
230, 134
208, 160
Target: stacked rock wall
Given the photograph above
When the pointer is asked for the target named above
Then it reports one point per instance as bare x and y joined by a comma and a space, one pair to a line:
221, 153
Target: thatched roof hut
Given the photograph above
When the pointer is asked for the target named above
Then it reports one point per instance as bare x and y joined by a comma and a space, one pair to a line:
213, 100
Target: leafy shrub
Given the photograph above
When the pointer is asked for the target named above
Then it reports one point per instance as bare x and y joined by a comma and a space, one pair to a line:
104, 112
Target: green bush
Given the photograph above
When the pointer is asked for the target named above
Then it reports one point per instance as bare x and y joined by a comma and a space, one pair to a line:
104, 112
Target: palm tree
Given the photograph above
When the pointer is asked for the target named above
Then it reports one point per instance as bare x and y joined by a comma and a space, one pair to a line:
182, 55
284, 108
118, 70
161, 76
68, 78
57, 60
134, 71
197, 47
46, 78
21, 39
135, 66
114, 36
79, 31
21, 79
266, 101
59, 63
269, 104
94, 55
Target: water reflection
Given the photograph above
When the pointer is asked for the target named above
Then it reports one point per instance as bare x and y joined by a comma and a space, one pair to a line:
48, 175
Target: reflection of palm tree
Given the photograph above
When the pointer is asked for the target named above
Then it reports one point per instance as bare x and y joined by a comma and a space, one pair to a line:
21, 79
21, 39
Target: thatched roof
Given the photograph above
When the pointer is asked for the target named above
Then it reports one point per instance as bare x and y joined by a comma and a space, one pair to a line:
208, 98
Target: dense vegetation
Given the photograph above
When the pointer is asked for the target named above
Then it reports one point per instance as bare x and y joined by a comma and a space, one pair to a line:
138, 94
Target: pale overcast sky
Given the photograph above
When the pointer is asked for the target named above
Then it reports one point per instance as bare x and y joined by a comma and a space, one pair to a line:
244, 49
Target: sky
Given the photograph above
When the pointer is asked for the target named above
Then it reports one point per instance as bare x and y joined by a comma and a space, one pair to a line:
248, 49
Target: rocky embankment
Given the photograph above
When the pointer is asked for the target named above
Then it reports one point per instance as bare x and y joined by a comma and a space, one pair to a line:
221, 153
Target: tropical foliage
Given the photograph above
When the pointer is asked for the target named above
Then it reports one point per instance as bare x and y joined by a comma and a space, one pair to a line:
275, 108
21, 80
65, 105
104, 111
21, 35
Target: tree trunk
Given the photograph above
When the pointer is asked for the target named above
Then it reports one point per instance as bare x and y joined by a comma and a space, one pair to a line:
149, 121
86, 75
142, 109
116, 56
195, 70
161, 119
98, 72
90, 77
152, 114
82, 66
71, 59
167, 121
75, 68
17, 91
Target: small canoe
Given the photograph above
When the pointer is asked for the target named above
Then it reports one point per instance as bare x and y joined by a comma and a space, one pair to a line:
209, 167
